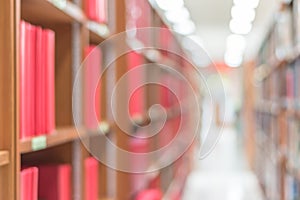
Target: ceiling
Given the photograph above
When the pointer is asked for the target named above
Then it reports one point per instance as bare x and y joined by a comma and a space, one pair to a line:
212, 21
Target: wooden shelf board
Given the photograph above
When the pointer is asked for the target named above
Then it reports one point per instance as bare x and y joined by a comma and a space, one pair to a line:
4, 158
51, 12
97, 32
59, 136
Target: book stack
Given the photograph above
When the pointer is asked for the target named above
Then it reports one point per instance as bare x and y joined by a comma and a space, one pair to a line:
48, 182
54, 182
96, 10
37, 104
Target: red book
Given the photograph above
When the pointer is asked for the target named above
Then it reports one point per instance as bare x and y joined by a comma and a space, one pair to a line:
27, 80
39, 86
24, 125
289, 83
29, 180
90, 9
101, 11
26, 184
92, 87
136, 78
49, 61
91, 178
55, 182
30, 67
96, 10
35, 174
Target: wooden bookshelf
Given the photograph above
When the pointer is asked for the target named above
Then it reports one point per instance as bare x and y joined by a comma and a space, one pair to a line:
73, 33
272, 141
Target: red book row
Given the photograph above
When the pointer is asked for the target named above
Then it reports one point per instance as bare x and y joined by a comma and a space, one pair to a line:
53, 182
37, 69
96, 10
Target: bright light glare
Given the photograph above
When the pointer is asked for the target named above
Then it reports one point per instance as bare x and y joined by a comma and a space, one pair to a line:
242, 13
185, 28
178, 15
170, 4
233, 60
240, 27
192, 42
247, 3
236, 43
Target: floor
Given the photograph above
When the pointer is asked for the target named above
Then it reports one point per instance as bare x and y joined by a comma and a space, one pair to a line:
223, 174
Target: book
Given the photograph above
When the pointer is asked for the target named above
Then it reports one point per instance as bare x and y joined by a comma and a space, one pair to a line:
29, 183
91, 178
24, 125
40, 83
49, 73
136, 76
54, 182
92, 86
96, 10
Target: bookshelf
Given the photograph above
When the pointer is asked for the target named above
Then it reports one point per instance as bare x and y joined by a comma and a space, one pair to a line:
273, 108
62, 146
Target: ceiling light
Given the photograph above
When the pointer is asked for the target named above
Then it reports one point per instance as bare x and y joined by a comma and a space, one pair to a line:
233, 60
236, 43
240, 27
170, 4
177, 15
185, 28
242, 13
247, 3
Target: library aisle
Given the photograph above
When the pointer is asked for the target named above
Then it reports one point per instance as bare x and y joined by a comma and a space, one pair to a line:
223, 174
112, 99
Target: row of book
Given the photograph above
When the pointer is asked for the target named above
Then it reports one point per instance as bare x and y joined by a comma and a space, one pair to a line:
54, 182
37, 70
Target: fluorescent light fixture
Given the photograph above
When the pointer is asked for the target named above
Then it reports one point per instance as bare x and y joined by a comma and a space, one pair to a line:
240, 27
242, 13
185, 28
236, 43
178, 15
169, 4
233, 60
247, 3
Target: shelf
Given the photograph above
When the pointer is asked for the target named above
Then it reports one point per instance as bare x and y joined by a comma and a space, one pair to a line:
59, 136
51, 11
97, 32
4, 158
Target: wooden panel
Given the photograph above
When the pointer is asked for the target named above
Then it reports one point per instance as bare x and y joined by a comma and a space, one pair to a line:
50, 11
123, 179
8, 117
63, 76
4, 158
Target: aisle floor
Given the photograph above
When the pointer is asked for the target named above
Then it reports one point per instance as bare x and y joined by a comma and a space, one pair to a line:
223, 174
